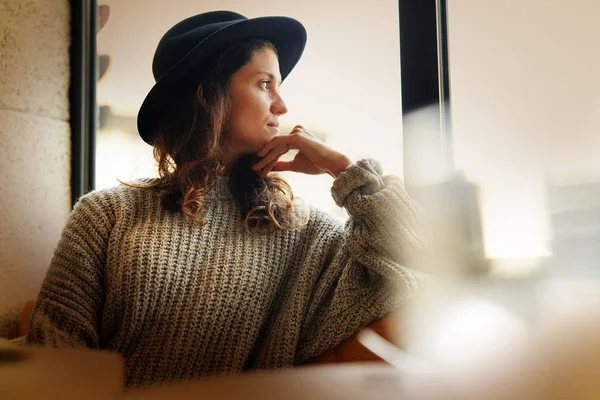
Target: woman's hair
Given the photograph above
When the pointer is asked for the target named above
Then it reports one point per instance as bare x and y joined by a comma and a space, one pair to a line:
187, 148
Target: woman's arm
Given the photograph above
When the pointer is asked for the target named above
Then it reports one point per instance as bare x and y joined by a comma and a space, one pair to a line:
368, 276
68, 309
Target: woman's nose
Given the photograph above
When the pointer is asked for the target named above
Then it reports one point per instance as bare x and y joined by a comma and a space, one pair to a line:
278, 107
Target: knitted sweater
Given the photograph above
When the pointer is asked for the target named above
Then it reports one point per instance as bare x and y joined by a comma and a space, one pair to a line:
180, 301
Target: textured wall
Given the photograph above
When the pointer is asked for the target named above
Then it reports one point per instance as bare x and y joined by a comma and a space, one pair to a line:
34, 145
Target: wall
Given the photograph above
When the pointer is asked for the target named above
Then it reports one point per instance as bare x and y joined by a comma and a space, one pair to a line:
34, 145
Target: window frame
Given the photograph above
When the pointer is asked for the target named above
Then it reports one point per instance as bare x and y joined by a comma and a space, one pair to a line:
425, 80
82, 97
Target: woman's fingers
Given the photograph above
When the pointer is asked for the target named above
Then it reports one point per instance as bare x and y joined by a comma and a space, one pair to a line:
314, 157
265, 171
283, 166
272, 154
276, 141
291, 141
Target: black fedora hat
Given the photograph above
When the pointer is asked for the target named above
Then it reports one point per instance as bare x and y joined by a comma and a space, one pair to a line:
195, 40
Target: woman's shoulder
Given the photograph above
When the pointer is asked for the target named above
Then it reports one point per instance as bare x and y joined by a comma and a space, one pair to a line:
118, 197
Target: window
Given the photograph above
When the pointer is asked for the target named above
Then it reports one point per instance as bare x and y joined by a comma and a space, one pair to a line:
524, 113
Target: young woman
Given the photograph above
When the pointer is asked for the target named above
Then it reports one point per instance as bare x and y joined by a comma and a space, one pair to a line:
214, 267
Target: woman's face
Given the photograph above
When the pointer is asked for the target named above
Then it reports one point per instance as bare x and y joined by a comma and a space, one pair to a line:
255, 105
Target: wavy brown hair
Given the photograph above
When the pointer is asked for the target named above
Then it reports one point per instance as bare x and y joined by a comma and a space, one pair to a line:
187, 148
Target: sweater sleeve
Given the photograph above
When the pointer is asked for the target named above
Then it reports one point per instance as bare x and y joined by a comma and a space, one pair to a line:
366, 276
68, 309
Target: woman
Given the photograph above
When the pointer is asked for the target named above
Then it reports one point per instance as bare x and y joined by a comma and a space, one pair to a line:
214, 267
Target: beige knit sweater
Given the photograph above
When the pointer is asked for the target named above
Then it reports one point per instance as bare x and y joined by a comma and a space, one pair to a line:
181, 301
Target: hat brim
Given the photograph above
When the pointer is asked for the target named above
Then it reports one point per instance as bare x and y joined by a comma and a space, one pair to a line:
287, 35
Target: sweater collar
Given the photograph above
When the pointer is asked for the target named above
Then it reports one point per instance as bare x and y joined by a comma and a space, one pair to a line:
218, 189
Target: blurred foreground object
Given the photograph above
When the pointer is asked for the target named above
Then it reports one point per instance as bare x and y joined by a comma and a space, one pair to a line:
340, 382
476, 349
574, 208
59, 374
452, 218
484, 340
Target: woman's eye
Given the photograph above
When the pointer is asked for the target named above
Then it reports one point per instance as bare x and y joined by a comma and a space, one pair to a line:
265, 84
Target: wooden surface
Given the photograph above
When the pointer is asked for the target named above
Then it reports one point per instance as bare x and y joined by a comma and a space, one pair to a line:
53, 374
344, 382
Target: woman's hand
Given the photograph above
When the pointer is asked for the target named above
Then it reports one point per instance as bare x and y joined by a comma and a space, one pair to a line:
314, 157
